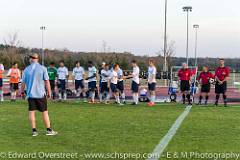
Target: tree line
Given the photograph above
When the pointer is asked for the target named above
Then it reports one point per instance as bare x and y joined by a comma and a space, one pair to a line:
10, 54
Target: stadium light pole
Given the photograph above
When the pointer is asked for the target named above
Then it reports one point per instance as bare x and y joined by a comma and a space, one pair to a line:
187, 9
165, 39
42, 28
196, 27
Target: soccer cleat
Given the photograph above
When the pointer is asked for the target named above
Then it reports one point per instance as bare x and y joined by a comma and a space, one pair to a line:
120, 104
134, 104
150, 104
51, 133
216, 103
35, 134
206, 103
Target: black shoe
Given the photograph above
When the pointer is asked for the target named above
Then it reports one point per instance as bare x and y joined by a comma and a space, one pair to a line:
216, 104
199, 103
206, 103
133, 104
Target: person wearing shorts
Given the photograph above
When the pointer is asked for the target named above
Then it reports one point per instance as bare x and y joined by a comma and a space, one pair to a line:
204, 79
185, 74
1, 82
104, 87
120, 85
35, 79
113, 84
135, 82
52, 73
62, 73
221, 76
92, 81
14, 78
152, 72
78, 76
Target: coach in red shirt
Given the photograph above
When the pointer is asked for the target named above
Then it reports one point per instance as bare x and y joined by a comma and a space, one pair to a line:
204, 79
221, 77
185, 75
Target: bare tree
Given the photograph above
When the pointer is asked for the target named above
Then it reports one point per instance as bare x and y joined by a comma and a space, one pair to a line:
170, 51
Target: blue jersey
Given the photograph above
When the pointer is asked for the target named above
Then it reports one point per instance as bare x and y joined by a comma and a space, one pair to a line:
34, 76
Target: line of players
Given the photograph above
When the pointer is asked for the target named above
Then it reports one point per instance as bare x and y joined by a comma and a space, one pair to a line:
110, 79
114, 79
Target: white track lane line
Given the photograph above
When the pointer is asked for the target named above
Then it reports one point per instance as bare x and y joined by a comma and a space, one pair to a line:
157, 152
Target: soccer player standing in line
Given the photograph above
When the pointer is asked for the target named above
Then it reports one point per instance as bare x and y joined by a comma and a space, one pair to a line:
120, 84
78, 76
62, 73
135, 82
152, 71
14, 74
104, 87
1, 82
52, 73
221, 77
185, 75
204, 78
113, 85
35, 80
92, 81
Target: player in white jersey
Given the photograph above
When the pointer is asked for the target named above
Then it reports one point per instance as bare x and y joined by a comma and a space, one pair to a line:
113, 85
92, 81
120, 84
135, 82
104, 87
78, 76
1, 81
62, 73
152, 72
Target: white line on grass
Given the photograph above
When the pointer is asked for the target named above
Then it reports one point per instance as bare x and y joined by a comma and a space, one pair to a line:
157, 152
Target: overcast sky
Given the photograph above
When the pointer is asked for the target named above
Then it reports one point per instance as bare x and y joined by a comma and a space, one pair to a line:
126, 25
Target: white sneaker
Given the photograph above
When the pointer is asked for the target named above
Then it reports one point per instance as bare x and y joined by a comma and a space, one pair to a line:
51, 133
34, 134
2, 99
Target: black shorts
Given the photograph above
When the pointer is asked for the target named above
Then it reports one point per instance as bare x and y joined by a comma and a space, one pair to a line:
134, 87
79, 84
185, 86
62, 84
104, 87
39, 104
113, 87
52, 84
92, 85
120, 86
1, 82
221, 89
14, 86
151, 86
205, 88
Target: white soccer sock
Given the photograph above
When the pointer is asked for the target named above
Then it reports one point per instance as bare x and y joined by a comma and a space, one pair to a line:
1, 94
60, 95
136, 99
100, 97
65, 95
93, 96
117, 99
123, 96
107, 96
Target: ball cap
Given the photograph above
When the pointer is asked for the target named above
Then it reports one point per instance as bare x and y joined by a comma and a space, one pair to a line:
34, 56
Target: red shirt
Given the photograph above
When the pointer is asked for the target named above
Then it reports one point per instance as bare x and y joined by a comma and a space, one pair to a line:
204, 77
222, 72
186, 74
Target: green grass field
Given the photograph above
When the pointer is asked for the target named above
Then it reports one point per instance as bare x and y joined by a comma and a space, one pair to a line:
85, 128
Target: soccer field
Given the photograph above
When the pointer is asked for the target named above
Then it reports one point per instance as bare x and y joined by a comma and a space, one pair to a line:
86, 129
